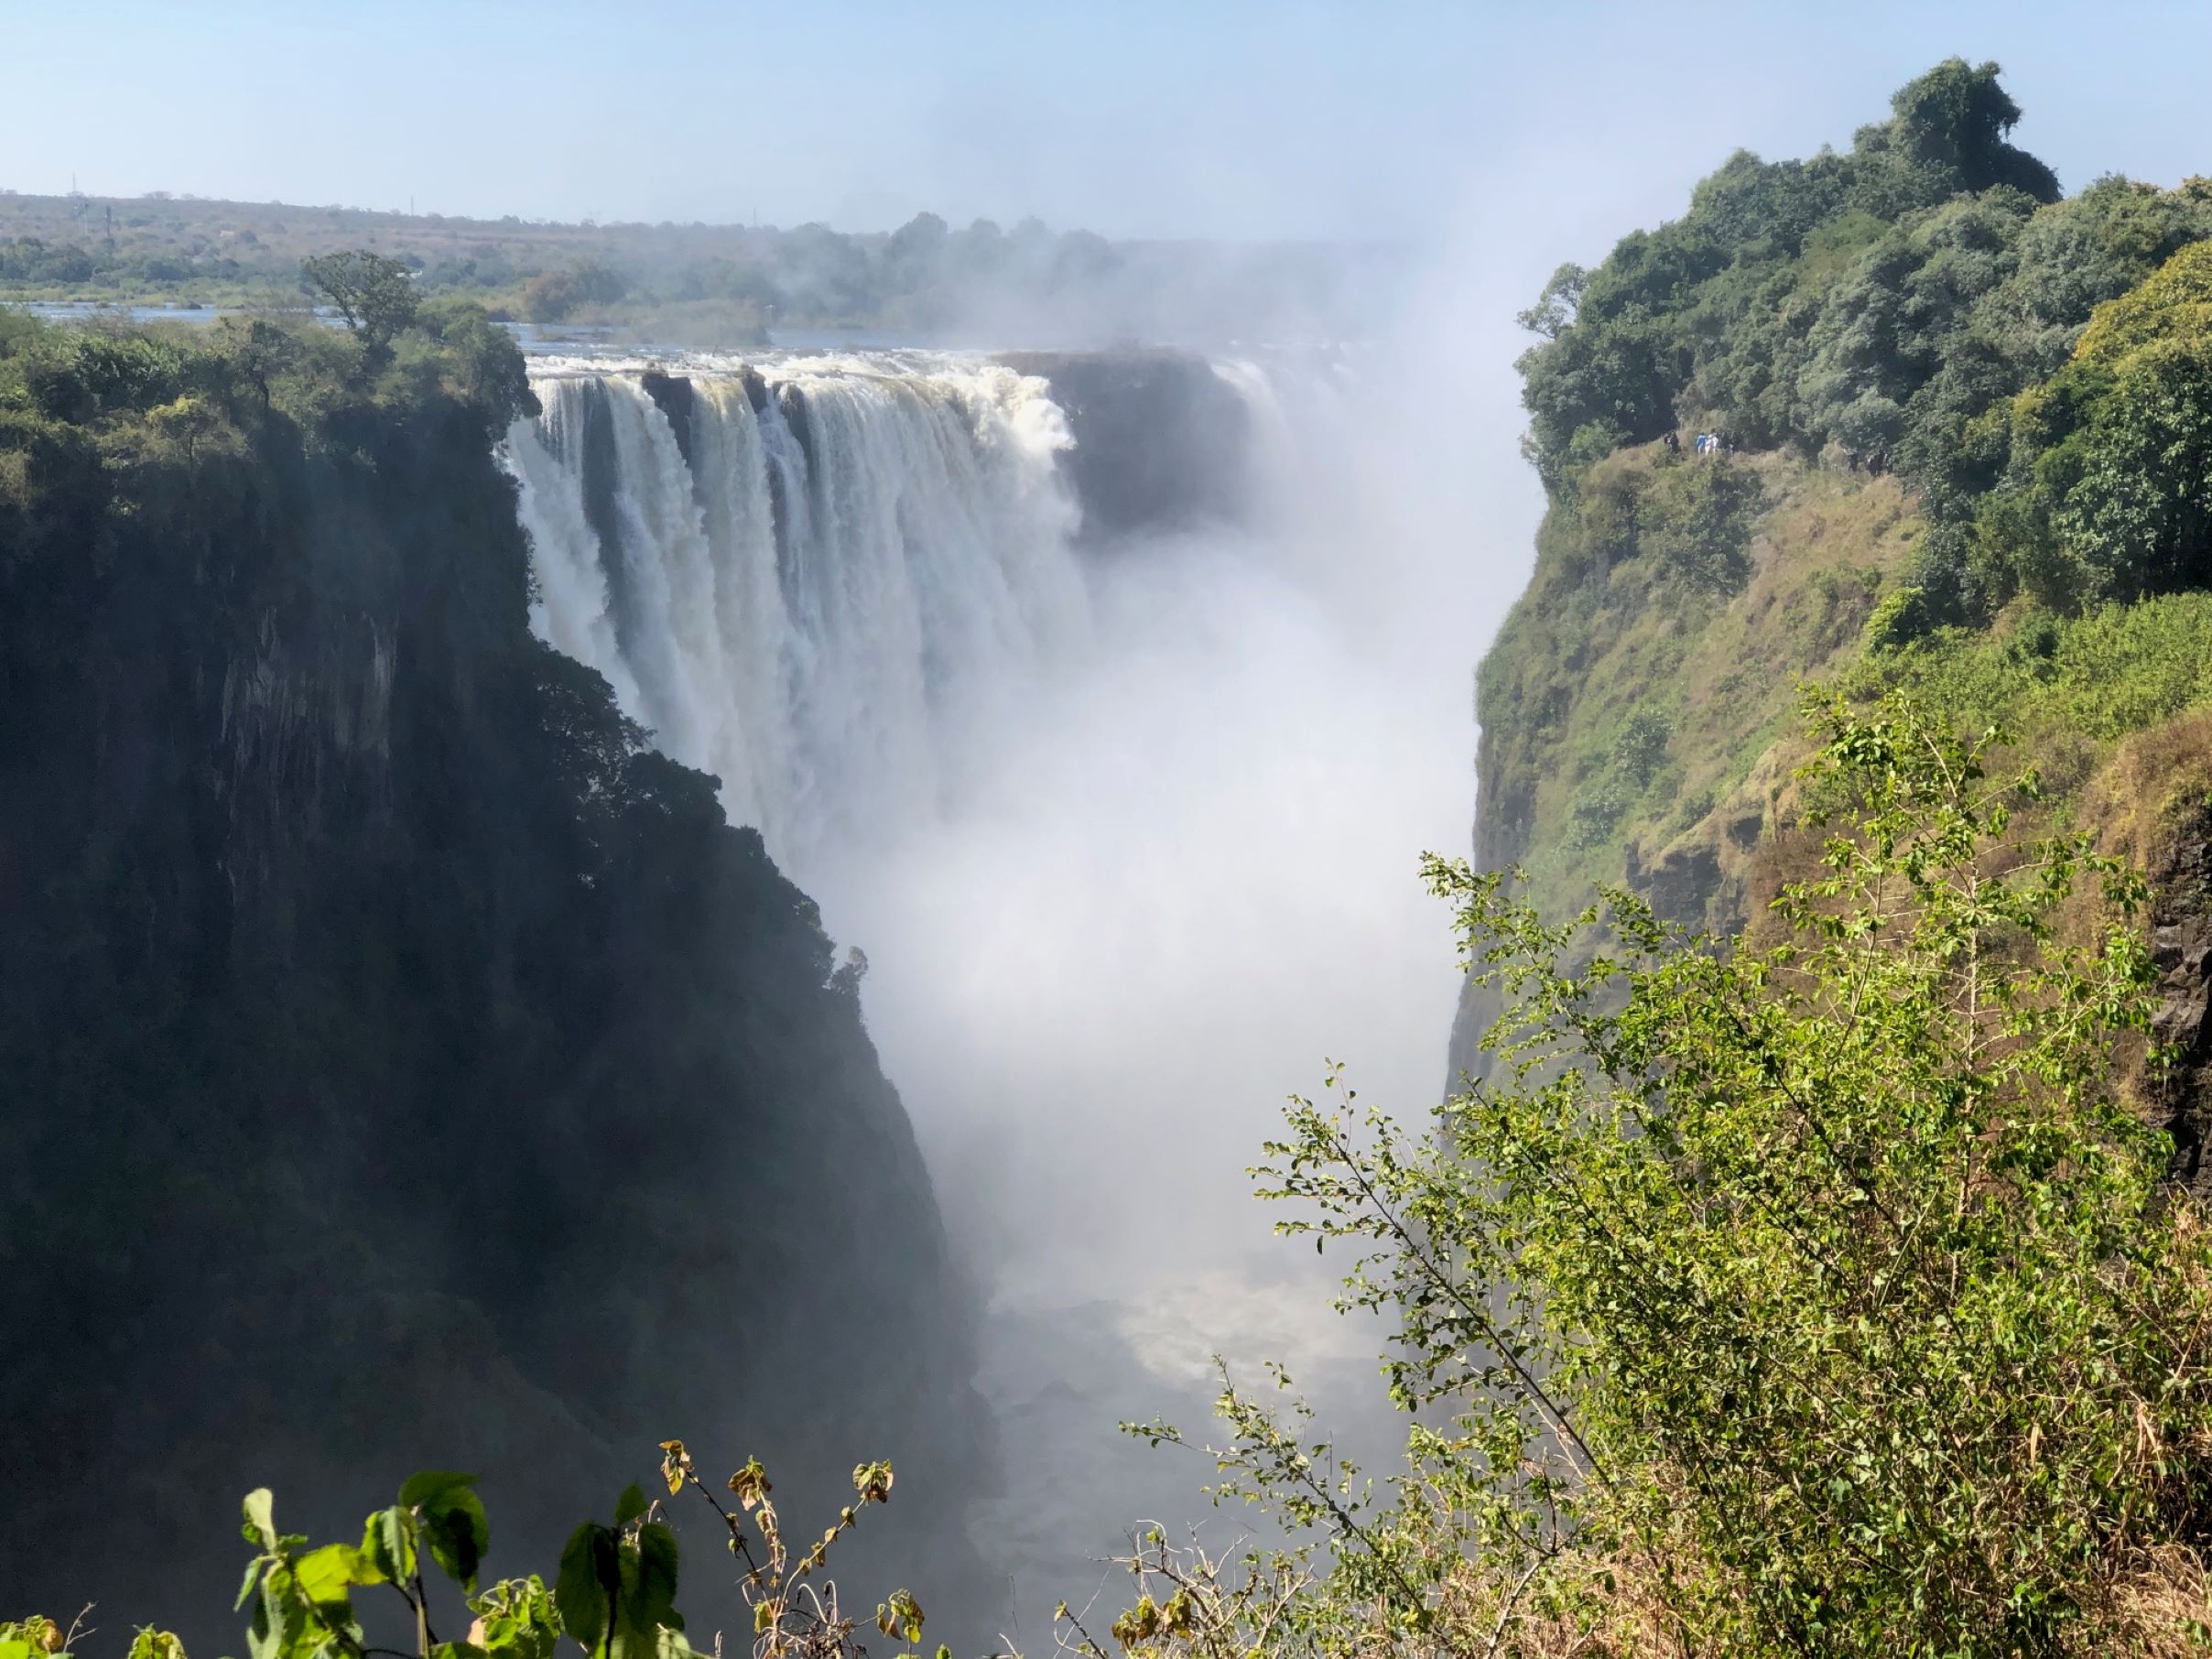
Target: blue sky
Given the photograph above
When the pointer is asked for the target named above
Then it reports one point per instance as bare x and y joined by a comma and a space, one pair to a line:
1556, 125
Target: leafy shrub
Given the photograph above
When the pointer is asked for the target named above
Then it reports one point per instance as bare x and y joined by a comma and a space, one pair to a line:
1697, 524
1595, 814
1817, 1296
1640, 749
614, 1596
2112, 670
1899, 616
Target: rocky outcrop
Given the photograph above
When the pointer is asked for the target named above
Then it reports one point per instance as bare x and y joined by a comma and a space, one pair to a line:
673, 394
2181, 948
1679, 886
1162, 442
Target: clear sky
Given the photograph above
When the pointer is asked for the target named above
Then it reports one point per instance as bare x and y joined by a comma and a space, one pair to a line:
1560, 123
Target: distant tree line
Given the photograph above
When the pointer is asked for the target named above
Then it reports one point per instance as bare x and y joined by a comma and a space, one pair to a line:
925, 274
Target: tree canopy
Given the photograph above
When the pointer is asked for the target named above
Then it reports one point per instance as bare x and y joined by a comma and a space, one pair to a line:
1883, 308
375, 295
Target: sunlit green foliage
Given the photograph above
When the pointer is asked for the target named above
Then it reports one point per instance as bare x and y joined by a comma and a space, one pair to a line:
1814, 1296
1876, 308
2107, 492
2061, 681
1715, 309
614, 1596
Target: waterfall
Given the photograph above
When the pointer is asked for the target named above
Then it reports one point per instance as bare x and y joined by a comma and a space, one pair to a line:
806, 577
1106, 701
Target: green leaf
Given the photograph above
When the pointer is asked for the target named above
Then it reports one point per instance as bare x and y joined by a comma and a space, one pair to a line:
517, 1619
429, 1484
261, 1518
579, 1594
657, 1572
275, 1617
455, 1528
326, 1576
388, 1547
630, 1505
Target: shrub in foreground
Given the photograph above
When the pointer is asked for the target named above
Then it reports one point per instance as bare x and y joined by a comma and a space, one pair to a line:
1819, 1295
613, 1597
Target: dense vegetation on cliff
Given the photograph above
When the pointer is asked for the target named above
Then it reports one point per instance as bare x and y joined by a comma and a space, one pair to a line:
406, 1065
1920, 305
1958, 412
1819, 1295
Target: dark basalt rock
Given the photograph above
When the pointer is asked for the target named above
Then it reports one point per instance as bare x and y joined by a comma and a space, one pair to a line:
674, 394
792, 404
2181, 947
1678, 886
403, 1065
1162, 442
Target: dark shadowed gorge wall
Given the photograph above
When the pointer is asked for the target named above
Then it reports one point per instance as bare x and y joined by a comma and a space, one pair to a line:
405, 1065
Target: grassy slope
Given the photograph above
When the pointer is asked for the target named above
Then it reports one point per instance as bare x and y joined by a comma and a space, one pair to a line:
1627, 721
1635, 731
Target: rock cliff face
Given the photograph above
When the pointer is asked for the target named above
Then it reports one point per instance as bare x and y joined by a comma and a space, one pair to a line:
2152, 803
1638, 715
2181, 946
405, 1065
1162, 442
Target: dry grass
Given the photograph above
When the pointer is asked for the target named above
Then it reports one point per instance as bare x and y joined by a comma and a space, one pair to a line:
2156, 785
2161, 1607
1723, 673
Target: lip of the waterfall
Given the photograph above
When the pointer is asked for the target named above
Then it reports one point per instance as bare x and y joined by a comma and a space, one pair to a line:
1159, 440
570, 357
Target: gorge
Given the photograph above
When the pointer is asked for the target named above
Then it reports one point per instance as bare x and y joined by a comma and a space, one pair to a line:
579, 910
388, 893
1009, 658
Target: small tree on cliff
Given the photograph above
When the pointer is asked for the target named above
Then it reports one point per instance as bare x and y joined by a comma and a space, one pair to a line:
375, 295
1816, 1296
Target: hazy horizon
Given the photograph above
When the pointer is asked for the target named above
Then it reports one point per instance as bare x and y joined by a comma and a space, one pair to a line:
1392, 124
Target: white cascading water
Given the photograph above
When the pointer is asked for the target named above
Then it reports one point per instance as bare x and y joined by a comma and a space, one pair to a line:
1128, 832
808, 615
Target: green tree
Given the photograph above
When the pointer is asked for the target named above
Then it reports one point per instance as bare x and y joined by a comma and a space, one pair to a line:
2137, 515
2109, 491
555, 295
375, 295
1948, 135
